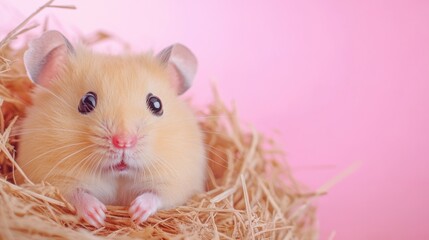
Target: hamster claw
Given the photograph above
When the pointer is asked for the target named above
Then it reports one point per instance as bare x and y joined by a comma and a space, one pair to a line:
95, 216
93, 213
90, 209
143, 207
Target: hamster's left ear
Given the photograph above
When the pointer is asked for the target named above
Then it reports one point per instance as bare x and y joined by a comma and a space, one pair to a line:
45, 56
181, 65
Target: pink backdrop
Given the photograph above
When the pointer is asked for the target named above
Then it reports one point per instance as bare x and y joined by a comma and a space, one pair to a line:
343, 81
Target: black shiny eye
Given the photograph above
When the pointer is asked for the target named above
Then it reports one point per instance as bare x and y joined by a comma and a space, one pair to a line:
154, 104
87, 103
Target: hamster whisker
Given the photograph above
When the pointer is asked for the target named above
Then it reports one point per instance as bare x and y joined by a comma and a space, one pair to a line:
215, 151
81, 167
222, 161
78, 164
97, 157
57, 116
68, 172
100, 165
93, 163
47, 130
101, 141
148, 168
104, 127
152, 179
165, 164
136, 173
53, 150
156, 170
65, 158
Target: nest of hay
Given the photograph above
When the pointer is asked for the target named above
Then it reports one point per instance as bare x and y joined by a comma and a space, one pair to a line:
251, 192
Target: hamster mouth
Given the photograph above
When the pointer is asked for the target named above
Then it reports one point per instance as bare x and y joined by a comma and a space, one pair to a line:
122, 166
120, 162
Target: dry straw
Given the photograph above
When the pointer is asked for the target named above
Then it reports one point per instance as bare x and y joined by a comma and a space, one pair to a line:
251, 193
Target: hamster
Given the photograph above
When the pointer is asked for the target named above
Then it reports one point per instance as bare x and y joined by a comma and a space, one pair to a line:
111, 130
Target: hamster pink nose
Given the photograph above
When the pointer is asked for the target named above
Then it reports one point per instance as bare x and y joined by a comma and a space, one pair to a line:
124, 141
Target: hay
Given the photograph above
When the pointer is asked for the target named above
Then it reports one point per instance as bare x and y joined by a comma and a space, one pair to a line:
251, 192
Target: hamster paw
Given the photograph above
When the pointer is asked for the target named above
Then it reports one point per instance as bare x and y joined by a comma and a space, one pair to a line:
143, 207
90, 209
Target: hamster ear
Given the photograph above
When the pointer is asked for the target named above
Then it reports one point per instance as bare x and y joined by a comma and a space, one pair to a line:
181, 65
45, 56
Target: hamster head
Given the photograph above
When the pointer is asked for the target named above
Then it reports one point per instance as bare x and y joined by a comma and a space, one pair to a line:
97, 115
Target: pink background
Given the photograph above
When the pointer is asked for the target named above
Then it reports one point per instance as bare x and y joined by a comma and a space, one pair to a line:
343, 81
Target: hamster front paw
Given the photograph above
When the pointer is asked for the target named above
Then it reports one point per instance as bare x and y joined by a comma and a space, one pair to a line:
143, 207
89, 208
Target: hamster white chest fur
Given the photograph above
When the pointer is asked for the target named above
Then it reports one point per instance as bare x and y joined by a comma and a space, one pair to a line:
111, 130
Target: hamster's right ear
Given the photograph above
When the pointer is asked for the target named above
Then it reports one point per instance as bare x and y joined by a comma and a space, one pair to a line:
45, 56
181, 65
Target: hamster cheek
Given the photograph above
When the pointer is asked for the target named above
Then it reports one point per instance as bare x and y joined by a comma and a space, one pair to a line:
144, 206
89, 208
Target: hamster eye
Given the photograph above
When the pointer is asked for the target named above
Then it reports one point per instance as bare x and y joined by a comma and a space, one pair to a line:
154, 104
87, 103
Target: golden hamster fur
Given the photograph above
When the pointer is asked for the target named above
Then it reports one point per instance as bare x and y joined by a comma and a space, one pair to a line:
112, 130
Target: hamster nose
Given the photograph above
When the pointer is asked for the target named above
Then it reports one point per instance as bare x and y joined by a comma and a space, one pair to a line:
124, 141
